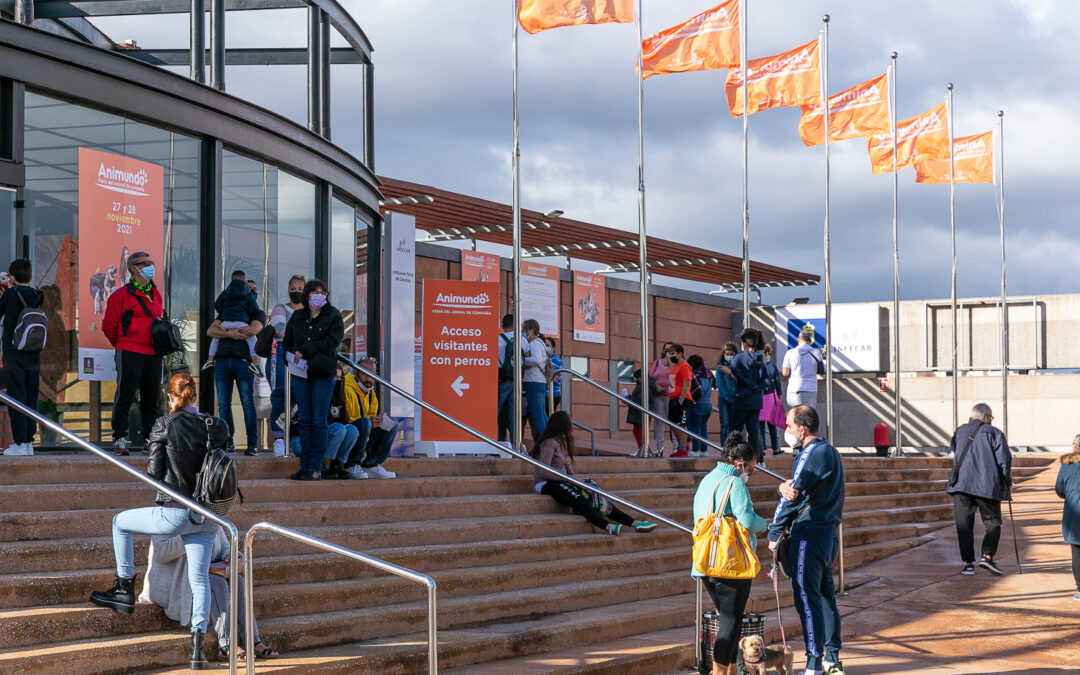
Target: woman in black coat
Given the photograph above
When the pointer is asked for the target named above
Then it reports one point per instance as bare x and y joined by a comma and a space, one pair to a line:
312, 338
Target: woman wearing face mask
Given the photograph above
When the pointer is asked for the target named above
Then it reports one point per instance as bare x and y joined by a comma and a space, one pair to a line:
729, 596
279, 318
532, 377
725, 387
312, 338
660, 372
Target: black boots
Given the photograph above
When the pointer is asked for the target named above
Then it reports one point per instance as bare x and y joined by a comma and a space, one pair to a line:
198, 662
121, 597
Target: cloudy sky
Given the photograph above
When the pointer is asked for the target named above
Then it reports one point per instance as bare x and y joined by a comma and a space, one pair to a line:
443, 117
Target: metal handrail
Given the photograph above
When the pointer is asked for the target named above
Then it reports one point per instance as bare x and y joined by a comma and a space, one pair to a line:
584, 378
588, 430
234, 540
505, 448
249, 585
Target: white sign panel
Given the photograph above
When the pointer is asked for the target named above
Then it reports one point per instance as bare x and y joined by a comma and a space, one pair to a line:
400, 313
856, 333
540, 296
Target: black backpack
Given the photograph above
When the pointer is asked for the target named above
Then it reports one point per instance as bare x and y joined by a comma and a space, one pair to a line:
30, 330
216, 485
506, 366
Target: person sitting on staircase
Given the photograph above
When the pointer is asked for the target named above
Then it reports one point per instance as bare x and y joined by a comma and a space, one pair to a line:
165, 584
553, 449
178, 443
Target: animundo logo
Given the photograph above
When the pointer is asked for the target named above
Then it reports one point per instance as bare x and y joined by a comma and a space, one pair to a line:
451, 301
119, 180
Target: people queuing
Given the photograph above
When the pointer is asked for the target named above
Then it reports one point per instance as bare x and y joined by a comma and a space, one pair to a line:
279, 318
534, 382
679, 400
660, 372
312, 338
177, 443
698, 414
729, 596
725, 387
554, 449
809, 516
981, 479
748, 368
772, 416
557, 362
21, 360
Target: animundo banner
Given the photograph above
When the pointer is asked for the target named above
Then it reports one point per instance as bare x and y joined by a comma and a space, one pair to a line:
120, 212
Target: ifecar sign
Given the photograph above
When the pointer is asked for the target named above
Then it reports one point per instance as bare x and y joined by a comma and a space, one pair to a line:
460, 357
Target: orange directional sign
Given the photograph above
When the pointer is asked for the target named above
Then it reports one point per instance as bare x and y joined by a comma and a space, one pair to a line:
460, 357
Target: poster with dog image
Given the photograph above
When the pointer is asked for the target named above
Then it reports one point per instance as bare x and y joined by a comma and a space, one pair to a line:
121, 211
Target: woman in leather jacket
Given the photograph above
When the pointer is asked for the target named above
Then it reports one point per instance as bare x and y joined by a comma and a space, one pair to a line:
312, 338
177, 444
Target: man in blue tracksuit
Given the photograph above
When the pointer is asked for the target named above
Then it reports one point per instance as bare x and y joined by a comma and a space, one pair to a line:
811, 509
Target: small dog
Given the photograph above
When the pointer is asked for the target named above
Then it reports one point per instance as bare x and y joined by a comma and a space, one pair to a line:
102, 285
758, 658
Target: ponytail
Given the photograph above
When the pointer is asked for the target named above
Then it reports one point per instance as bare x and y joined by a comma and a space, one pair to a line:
182, 388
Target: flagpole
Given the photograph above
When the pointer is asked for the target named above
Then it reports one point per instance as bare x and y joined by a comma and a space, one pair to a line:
516, 421
824, 56
896, 263
952, 234
643, 260
745, 167
1004, 296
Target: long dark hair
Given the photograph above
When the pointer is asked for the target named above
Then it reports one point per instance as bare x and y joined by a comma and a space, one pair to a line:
737, 447
561, 429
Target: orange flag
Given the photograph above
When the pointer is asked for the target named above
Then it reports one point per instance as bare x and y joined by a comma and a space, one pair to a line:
791, 78
537, 15
708, 41
925, 137
860, 111
973, 162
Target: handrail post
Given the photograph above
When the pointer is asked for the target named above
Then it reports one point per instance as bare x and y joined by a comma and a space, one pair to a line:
551, 397
699, 608
322, 545
842, 590
187, 502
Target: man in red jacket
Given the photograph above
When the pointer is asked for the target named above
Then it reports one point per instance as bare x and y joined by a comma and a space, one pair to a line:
128, 315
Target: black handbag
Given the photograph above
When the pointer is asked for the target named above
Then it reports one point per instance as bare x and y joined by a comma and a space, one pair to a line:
264, 341
163, 333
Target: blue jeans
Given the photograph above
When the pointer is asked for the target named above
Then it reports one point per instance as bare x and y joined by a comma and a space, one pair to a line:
506, 422
698, 422
277, 396
725, 420
373, 444
198, 542
23, 371
340, 439
536, 400
312, 397
227, 371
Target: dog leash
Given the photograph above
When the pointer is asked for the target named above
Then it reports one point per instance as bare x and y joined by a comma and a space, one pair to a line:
774, 573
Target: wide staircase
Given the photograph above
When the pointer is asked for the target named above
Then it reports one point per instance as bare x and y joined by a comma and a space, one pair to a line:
523, 586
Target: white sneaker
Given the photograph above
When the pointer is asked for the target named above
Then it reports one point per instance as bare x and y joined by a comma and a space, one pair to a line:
279, 447
379, 472
19, 450
357, 473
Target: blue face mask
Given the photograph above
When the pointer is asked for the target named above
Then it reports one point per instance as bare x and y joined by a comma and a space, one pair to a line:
147, 272
728, 358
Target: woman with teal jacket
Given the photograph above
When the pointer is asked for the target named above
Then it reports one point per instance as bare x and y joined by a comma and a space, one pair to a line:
729, 595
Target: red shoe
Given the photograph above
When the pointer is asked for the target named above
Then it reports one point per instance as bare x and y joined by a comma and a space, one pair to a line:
680, 453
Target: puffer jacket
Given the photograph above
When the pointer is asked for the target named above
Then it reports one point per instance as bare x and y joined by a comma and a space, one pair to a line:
177, 446
317, 339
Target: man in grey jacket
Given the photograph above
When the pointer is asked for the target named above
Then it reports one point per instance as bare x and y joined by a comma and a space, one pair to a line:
981, 478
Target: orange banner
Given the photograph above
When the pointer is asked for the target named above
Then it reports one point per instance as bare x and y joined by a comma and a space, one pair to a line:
479, 266
925, 136
791, 78
708, 41
973, 162
537, 15
862, 110
590, 306
121, 211
460, 361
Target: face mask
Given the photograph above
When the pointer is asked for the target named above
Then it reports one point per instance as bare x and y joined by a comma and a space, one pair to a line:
254, 294
148, 272
792, 440
744, 477
365, 387
728, 358
296, 297
317, 300
550, 350
673, 359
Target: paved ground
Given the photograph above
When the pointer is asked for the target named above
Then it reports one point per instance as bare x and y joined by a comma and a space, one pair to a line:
917, 614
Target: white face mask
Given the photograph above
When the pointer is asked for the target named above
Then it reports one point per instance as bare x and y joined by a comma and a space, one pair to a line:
792, 440
744, 477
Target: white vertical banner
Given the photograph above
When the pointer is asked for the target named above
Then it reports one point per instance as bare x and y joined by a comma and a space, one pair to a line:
399, 336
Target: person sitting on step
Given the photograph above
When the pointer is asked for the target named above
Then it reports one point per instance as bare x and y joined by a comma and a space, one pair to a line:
553, 449
178, 444
165, 584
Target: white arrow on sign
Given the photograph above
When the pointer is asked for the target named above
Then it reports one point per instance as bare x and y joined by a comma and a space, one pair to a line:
459, 385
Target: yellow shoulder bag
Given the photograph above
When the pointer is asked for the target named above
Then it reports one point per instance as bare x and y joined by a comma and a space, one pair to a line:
721, 545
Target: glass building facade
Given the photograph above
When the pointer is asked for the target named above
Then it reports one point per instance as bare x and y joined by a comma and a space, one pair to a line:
252, 192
